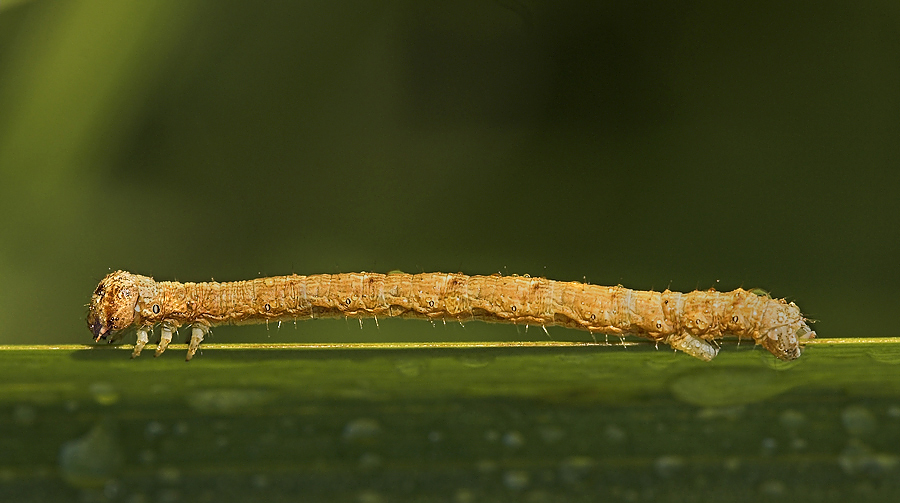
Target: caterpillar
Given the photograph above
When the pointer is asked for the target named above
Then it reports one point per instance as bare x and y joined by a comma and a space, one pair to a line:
689, 322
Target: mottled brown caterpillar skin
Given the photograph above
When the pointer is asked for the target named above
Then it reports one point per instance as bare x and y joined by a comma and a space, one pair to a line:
686, 321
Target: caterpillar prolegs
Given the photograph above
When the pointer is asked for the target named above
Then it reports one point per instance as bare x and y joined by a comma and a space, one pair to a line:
690, 322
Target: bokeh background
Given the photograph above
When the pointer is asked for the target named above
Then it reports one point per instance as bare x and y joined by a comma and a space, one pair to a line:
651, 144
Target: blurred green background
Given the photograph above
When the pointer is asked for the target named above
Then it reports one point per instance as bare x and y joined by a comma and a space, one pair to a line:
653, 144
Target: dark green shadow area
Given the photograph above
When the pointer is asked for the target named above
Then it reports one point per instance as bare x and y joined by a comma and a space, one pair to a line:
581, 423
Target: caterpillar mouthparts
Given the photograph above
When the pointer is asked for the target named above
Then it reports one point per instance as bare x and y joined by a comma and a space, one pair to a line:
689, 322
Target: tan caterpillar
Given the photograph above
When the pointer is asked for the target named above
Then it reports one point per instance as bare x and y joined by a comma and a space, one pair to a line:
690, 322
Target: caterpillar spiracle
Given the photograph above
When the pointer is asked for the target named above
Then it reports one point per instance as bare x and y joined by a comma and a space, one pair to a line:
690, 322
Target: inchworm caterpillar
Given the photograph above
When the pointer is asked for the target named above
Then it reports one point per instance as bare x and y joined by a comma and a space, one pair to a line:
690, 322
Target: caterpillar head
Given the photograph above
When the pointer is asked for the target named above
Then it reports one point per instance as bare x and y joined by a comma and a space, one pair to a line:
112, 306
782, 329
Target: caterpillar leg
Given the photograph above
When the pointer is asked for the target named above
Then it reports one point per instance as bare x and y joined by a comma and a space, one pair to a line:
198, 331
143, 338
693, 346
165, 337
